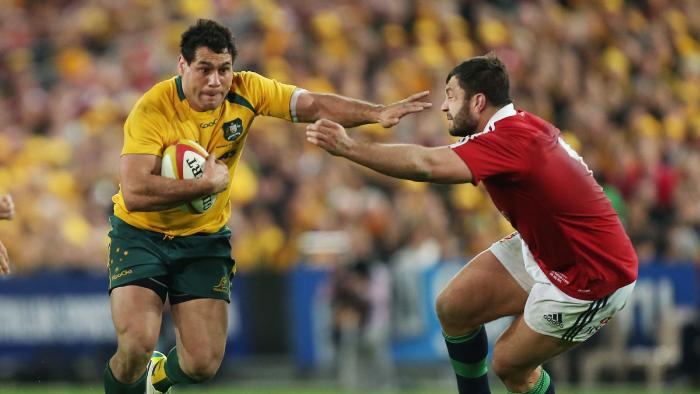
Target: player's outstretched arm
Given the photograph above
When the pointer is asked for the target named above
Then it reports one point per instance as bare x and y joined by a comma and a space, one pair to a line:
145, 190
405, 161
350, 112
7, 207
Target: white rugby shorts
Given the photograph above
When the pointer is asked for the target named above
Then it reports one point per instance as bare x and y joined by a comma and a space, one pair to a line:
548, 310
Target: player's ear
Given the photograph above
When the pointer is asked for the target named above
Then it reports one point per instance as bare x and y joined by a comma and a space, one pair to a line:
480, 102
181, 63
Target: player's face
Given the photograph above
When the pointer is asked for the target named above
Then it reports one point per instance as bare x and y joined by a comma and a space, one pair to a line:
462, 113
207, 79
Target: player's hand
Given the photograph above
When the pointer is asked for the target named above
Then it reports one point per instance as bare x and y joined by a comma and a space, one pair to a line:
4, 261
390, 115
216, 174
330, 136
7, 207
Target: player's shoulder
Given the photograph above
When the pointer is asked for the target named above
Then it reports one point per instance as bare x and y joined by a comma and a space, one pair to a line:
523, 121
246, 78
161, 97
166, 88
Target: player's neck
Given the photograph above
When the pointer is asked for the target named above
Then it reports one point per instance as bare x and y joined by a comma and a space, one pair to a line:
485, 117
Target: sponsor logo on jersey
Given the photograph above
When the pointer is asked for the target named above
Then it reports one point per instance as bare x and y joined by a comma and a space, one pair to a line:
222, 286
233, 129
207, 125
122, 274
554, 319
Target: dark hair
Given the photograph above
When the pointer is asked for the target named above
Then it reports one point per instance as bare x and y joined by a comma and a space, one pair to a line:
484, 74
207, 33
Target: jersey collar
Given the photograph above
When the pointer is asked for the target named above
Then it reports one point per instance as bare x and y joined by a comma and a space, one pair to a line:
505, 111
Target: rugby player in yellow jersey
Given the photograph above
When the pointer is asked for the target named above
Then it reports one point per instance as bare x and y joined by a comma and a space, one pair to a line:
159, 251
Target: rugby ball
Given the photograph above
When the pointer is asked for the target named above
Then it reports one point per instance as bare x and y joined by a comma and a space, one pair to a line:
185, 160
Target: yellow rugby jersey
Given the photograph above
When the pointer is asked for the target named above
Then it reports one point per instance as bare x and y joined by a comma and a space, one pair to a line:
163, 116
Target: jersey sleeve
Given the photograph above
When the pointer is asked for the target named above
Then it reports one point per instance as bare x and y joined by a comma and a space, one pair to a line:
269, 97
494, 153
144, 129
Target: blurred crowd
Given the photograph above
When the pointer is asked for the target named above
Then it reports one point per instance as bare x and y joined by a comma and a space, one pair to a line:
620, 78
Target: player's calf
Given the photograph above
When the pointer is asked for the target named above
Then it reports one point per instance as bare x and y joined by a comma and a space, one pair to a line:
517, 379
468, 355
531, 381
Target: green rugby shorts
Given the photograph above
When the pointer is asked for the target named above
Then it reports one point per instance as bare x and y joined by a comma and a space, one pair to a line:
198, 265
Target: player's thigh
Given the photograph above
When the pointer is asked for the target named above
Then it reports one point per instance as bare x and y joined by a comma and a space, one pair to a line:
553, 322
201, 267
551, 312
135, 255
201, 330
520, 349
482, 291
136, 314
199, 297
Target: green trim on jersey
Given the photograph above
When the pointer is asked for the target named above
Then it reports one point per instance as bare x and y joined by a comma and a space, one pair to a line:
240, 100
180, 91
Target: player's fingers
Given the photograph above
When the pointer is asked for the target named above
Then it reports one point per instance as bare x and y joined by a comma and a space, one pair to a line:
318, 135
413, 110
316, 141
312, 137
417, 96
328, 129
419, 105
320, 139
326, 123
410, 108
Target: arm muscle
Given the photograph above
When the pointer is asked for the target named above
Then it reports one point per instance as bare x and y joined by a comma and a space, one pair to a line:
144, 189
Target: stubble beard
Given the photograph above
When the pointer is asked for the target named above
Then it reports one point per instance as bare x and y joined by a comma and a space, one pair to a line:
463, 123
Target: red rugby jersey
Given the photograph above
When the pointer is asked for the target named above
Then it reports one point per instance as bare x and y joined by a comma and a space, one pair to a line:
549, 195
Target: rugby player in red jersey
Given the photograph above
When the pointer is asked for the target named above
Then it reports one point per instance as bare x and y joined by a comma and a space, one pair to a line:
565, 272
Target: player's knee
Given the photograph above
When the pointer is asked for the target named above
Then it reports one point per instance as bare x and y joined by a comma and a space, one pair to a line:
202, 365
137, 336
201, 372
454, 316
138, 347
